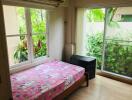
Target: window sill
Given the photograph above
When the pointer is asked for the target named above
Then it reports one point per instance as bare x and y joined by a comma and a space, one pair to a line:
28, 65
114, 76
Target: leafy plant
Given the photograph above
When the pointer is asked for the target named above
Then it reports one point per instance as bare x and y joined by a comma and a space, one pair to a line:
40, 47
21, 52
118, 55
95, 15
94, 47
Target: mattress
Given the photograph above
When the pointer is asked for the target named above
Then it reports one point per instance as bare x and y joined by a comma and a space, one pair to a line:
44, 82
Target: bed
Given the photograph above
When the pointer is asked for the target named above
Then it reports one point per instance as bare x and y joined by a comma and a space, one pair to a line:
51, 80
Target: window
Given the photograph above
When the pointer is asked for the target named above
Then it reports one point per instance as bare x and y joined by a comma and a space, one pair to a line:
38, 21
94, 33
26, 34
118, 41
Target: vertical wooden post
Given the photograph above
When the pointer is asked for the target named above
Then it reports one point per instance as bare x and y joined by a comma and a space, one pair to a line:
5, 89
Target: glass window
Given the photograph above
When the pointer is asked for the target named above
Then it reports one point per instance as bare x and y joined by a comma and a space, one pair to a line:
38, 20
118, 41
109, 42
16, 34
20, 38
17, 49
94, 30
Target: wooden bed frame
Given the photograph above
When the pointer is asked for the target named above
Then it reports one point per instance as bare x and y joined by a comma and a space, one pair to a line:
72, 88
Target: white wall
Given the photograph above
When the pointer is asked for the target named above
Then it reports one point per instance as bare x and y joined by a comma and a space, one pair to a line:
56, 33
70, 30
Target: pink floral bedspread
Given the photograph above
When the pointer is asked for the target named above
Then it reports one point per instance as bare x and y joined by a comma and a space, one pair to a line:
45, 81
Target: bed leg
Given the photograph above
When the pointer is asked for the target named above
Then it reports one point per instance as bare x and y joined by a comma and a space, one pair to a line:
87, 79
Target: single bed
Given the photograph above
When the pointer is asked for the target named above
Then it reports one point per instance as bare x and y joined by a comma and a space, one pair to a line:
48, 81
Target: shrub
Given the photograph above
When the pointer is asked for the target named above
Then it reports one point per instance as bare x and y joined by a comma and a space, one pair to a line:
118, 55
94, 47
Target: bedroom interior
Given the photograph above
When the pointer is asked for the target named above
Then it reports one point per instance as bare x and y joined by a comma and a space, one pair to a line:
65, 49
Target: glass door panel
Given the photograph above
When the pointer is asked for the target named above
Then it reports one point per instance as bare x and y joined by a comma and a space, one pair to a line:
118, 57
118, 41
94, 32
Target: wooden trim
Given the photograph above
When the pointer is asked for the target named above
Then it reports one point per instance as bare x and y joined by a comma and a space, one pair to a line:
27, 4
5, 87
101, 3
118, 78
71, 89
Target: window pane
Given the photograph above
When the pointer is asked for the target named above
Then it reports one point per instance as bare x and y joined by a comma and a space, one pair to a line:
17, 49
118, 57
14, 20
39, 45
118, 27
94, 30
118, 49
21, 20
38, 20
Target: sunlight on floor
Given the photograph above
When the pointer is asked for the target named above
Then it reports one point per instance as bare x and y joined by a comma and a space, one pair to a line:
102, 88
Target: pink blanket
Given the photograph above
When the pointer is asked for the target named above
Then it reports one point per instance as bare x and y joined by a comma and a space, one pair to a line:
45, 81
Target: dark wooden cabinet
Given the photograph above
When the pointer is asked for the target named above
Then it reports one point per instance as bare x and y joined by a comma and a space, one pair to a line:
87, 62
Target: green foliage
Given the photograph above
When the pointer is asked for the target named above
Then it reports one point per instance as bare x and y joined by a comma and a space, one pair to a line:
98, 15
118, 55
40, 47
38, 19
21, 52
95, 15
109, 16
94, 47
21, 20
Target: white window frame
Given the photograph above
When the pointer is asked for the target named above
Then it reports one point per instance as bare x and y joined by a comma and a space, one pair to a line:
32, 61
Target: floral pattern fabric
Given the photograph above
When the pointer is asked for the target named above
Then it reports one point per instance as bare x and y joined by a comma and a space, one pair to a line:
45, 81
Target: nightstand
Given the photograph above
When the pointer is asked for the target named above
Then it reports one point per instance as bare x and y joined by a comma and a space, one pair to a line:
87, 62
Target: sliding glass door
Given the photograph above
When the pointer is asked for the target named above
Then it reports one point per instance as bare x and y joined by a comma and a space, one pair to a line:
118, 41
94, 31
107, 35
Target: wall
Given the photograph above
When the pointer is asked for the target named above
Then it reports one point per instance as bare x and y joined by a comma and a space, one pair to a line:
70, 26
5, 89
102, 3
124, 11
56, 33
